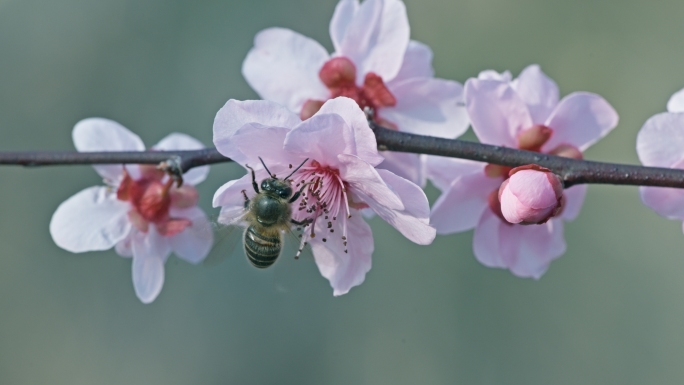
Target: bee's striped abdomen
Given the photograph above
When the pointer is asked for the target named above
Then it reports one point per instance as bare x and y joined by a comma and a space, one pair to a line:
261, 250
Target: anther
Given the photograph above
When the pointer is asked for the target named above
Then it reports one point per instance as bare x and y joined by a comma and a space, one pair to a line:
325, 240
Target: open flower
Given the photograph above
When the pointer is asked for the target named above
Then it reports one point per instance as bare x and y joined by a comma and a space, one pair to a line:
524, 113
339, 179
140, 212
374, 63
660, 143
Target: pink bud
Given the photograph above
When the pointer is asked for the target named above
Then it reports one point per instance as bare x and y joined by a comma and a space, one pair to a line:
532, 195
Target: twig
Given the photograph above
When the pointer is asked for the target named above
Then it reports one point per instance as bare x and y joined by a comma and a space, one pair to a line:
572, 171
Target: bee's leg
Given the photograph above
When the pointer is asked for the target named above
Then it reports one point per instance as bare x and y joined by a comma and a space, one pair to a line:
298, 193
305, 222
254, 183
244, 194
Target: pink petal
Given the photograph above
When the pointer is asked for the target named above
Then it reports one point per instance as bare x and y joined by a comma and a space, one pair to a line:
124, 247
486, 240
283, 67
428, 106
255, 113
496, 111
414, 221
177, 141
321, 137
376, 38
461, 205
194, 243
442, 171
580, 119
539, 92
98, 134
676, 102
660, 142
505, 76
230, 194
93, 219
526, 251
365, 180
417, 63
366, 146
342, 17
149, 254
535, 189
574, 198
253, 141
407, 166
666, 201
345, 270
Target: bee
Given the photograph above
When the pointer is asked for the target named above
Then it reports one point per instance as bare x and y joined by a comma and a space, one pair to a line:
269, 215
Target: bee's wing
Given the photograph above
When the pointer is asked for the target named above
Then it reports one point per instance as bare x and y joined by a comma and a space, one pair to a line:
227, 237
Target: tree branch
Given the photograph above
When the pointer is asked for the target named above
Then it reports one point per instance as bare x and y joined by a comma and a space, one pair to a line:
572, 171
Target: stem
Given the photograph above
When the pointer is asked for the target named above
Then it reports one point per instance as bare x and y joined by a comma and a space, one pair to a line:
572, 171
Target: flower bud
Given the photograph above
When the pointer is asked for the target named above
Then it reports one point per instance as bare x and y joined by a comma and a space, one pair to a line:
531, 195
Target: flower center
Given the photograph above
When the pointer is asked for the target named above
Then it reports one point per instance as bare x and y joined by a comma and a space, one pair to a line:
339, 75
325, 198
151, 198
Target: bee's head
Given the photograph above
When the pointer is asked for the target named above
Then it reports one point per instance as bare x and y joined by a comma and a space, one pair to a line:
279, 187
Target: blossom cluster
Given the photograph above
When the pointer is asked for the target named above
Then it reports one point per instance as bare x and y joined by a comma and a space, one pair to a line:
315, 113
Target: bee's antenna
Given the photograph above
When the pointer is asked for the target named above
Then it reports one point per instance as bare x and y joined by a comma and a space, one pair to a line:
267, 170
295, 170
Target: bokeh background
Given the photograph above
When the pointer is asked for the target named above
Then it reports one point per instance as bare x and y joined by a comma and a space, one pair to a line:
608, 312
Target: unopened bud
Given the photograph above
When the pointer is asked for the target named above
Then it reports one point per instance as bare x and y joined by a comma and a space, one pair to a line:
567, 151
310, 108
533, 138
531, 195
338, 72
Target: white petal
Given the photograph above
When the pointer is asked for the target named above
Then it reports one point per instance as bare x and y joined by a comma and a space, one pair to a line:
283, 67
376, 38
407, 166
417, 63
149, 254
366, 146
342, 17
230, 194
442, 171
93, 219
98, 134
364, 179
428, 106
539, 92
580, 119
461, 205
345, 270
497, 113
255, 113
660, 142
574, 198
194, 243
676, 102
414, 220
178, 141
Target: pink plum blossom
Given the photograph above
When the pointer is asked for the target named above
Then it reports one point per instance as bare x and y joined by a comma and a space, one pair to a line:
523, 113
339, 175
140, 212
660, 143
374, 63
531, 195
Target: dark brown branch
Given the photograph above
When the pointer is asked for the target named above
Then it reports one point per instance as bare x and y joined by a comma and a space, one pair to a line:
571, 170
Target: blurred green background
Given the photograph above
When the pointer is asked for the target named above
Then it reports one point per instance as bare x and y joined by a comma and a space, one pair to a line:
608, 312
